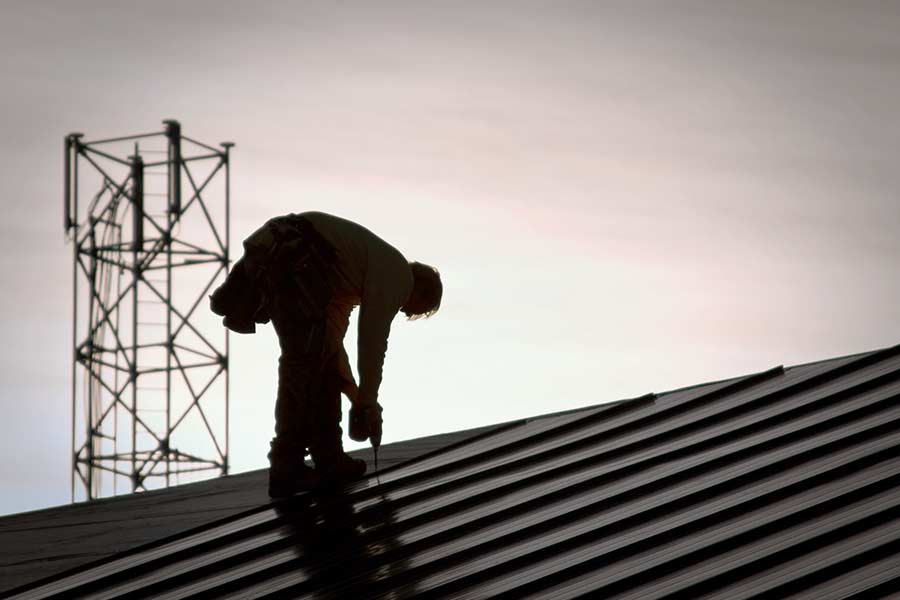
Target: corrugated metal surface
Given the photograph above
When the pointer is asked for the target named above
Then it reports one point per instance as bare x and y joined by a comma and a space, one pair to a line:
42, 543
778, 484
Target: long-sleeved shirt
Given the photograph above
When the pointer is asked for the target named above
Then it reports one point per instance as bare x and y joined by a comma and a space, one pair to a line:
371, 274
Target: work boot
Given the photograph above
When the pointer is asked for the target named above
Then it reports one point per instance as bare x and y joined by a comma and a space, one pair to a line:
338, 467
325, 436
288, 474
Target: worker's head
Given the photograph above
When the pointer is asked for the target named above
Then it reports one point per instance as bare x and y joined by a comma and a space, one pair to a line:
425, 298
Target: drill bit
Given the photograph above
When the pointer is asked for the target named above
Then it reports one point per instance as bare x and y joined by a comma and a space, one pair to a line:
375, 452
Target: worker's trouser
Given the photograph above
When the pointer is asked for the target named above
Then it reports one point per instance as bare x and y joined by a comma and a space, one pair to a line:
293, 275
308, 405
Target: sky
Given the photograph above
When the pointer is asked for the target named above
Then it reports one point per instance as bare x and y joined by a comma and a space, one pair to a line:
621, 197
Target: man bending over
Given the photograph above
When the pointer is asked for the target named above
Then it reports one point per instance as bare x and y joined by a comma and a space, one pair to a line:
306, 272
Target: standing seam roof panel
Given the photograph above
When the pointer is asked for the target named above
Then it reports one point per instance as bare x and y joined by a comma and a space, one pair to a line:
707, 489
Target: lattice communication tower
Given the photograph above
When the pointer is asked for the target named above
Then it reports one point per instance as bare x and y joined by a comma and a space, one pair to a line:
148, 216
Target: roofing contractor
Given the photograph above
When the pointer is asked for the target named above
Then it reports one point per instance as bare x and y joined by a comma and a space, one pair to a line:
306, 272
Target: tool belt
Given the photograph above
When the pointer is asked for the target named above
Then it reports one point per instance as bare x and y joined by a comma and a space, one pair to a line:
287, 252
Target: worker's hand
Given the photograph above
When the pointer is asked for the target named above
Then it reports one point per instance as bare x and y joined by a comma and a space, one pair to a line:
351, 391
365, 423
375, 420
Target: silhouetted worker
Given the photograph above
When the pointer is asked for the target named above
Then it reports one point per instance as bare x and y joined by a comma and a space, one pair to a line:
306, 272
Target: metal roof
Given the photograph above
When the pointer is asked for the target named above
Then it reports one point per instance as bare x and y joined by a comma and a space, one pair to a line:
781, 483
47, 542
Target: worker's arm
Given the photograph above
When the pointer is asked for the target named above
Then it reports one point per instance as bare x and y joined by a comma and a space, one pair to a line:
375, 318
348, 384
338, 321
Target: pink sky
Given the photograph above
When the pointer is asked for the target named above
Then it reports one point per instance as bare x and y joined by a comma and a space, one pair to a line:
621, 197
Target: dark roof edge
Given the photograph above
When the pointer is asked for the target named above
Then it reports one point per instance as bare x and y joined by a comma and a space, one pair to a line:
236, 516
121, 497
484, 430
888, 350
879, 353
496, 427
